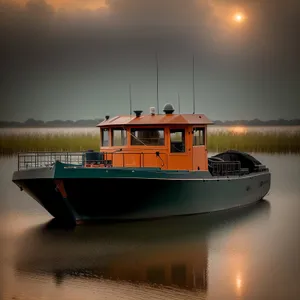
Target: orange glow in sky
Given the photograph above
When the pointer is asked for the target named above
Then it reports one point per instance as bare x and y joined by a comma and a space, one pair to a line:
239, 17
77, 4
71, 5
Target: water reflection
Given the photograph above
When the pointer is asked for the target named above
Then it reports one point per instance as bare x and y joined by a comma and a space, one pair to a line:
238, 129
238, 284
166, 253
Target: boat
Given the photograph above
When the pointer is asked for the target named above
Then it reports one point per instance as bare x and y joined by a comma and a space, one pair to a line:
148, 166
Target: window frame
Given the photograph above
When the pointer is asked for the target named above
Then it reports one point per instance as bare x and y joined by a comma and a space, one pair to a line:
146, 128
184, 140
108, 137
124, 140
203, 129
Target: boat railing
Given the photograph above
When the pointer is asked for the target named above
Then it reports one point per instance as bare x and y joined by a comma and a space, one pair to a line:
32, 160
224, 168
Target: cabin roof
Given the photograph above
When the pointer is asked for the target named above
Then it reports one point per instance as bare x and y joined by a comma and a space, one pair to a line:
158, 119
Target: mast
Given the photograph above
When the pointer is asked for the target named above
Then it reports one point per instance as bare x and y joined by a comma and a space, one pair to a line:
157, 99
130, 104
193, 84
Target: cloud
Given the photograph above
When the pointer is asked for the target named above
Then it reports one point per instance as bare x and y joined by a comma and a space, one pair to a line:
38, 8
159, 13
45, 31
73, 5
56, 48
40, 22
138, 12
211, 16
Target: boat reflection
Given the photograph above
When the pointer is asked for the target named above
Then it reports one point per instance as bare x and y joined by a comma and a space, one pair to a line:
171, 252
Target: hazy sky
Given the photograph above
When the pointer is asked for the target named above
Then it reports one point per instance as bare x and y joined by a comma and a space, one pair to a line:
73, 59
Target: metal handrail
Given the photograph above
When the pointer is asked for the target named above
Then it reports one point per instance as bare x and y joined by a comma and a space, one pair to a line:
29, 160
224, 168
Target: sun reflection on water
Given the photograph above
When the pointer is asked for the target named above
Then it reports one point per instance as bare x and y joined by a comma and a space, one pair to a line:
238, 129
238, 284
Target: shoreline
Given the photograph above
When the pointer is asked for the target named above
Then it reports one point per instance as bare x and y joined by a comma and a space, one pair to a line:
263, 142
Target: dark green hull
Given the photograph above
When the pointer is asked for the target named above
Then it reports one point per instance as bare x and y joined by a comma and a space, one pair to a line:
120, 193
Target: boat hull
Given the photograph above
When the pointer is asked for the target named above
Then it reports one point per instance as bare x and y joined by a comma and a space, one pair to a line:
71, 194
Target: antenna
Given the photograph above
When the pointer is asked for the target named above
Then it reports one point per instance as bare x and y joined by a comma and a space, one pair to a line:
178, 103
130, 105
157, 83
193, 84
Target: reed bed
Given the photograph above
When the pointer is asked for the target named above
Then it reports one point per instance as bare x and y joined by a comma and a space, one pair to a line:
257, 142
263, 142
11, 144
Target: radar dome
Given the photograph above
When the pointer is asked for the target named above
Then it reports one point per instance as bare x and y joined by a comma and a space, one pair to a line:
168, 109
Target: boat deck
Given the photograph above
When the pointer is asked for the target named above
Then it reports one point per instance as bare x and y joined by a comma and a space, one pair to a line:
35, 160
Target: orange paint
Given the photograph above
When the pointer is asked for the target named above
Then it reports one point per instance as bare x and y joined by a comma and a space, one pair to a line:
175, 119
167, 141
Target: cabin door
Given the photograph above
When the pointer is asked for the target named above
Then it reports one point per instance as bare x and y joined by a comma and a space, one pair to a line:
179, 158
199, 149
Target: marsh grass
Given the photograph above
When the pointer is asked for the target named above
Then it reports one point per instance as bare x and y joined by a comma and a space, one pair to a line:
264, 142
10, 144
270, 142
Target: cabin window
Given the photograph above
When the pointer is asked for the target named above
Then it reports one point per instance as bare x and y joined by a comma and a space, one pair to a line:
198, 136
119, 137
104, 137
147, 137
177, 137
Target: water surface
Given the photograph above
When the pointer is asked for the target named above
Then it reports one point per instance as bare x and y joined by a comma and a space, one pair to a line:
249, 253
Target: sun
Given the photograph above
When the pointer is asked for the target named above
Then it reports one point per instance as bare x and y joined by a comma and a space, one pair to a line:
239, 17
